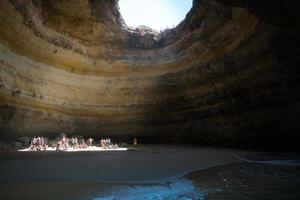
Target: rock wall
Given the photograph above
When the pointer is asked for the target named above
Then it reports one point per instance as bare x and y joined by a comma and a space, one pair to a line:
223, 76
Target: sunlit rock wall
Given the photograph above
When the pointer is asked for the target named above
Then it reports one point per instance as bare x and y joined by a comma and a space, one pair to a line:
223, 76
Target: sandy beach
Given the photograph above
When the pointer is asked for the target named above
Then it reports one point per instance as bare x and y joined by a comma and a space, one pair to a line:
153, 163
169, 171
91, 148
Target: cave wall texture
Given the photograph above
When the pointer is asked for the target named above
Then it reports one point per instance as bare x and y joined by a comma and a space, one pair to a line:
227, 75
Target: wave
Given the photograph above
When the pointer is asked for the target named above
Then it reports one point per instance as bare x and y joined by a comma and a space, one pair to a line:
181, 189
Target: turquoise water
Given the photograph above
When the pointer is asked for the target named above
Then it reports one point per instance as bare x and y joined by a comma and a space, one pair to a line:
228, 182
181, 189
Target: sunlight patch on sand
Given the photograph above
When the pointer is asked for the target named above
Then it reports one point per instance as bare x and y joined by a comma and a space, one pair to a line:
93, 148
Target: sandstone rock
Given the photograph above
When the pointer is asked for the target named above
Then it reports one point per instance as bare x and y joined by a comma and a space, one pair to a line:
226, 75
123, 144
5, 146
25, 140
17, 144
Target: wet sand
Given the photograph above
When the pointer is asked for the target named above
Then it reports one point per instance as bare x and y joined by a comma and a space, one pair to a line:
151, 163
152, 172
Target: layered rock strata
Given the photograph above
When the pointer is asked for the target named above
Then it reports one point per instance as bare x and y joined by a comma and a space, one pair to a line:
222, 76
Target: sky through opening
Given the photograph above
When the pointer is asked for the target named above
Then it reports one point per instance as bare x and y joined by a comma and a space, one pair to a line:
156, 14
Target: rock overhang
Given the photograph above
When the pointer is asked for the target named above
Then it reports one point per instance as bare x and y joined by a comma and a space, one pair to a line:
76, 67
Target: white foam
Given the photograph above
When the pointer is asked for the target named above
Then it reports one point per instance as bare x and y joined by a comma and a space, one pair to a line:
182, 189
272, 162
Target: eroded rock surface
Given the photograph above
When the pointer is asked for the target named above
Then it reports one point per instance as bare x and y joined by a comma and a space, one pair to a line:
222, 76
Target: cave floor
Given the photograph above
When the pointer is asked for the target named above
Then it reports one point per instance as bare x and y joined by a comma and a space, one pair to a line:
92, 148
150, 172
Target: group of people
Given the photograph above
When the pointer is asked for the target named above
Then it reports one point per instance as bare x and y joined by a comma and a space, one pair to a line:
38, 144
65, 143
78, 144
106, 144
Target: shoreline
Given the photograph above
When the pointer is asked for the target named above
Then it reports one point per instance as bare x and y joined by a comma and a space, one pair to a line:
156, 163
229, 181
157, 171
153, 163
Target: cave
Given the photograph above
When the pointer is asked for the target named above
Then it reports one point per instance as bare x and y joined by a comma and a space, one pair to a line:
224, 82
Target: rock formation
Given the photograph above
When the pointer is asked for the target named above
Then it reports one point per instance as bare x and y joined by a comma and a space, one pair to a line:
226, 75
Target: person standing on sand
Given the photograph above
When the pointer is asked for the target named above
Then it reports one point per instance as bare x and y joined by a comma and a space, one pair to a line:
58, 145
38, 143
34, 141
90, 142
76, 146
102, 142
83, 144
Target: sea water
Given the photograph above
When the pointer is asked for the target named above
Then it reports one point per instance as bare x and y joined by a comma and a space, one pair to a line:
182, 189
